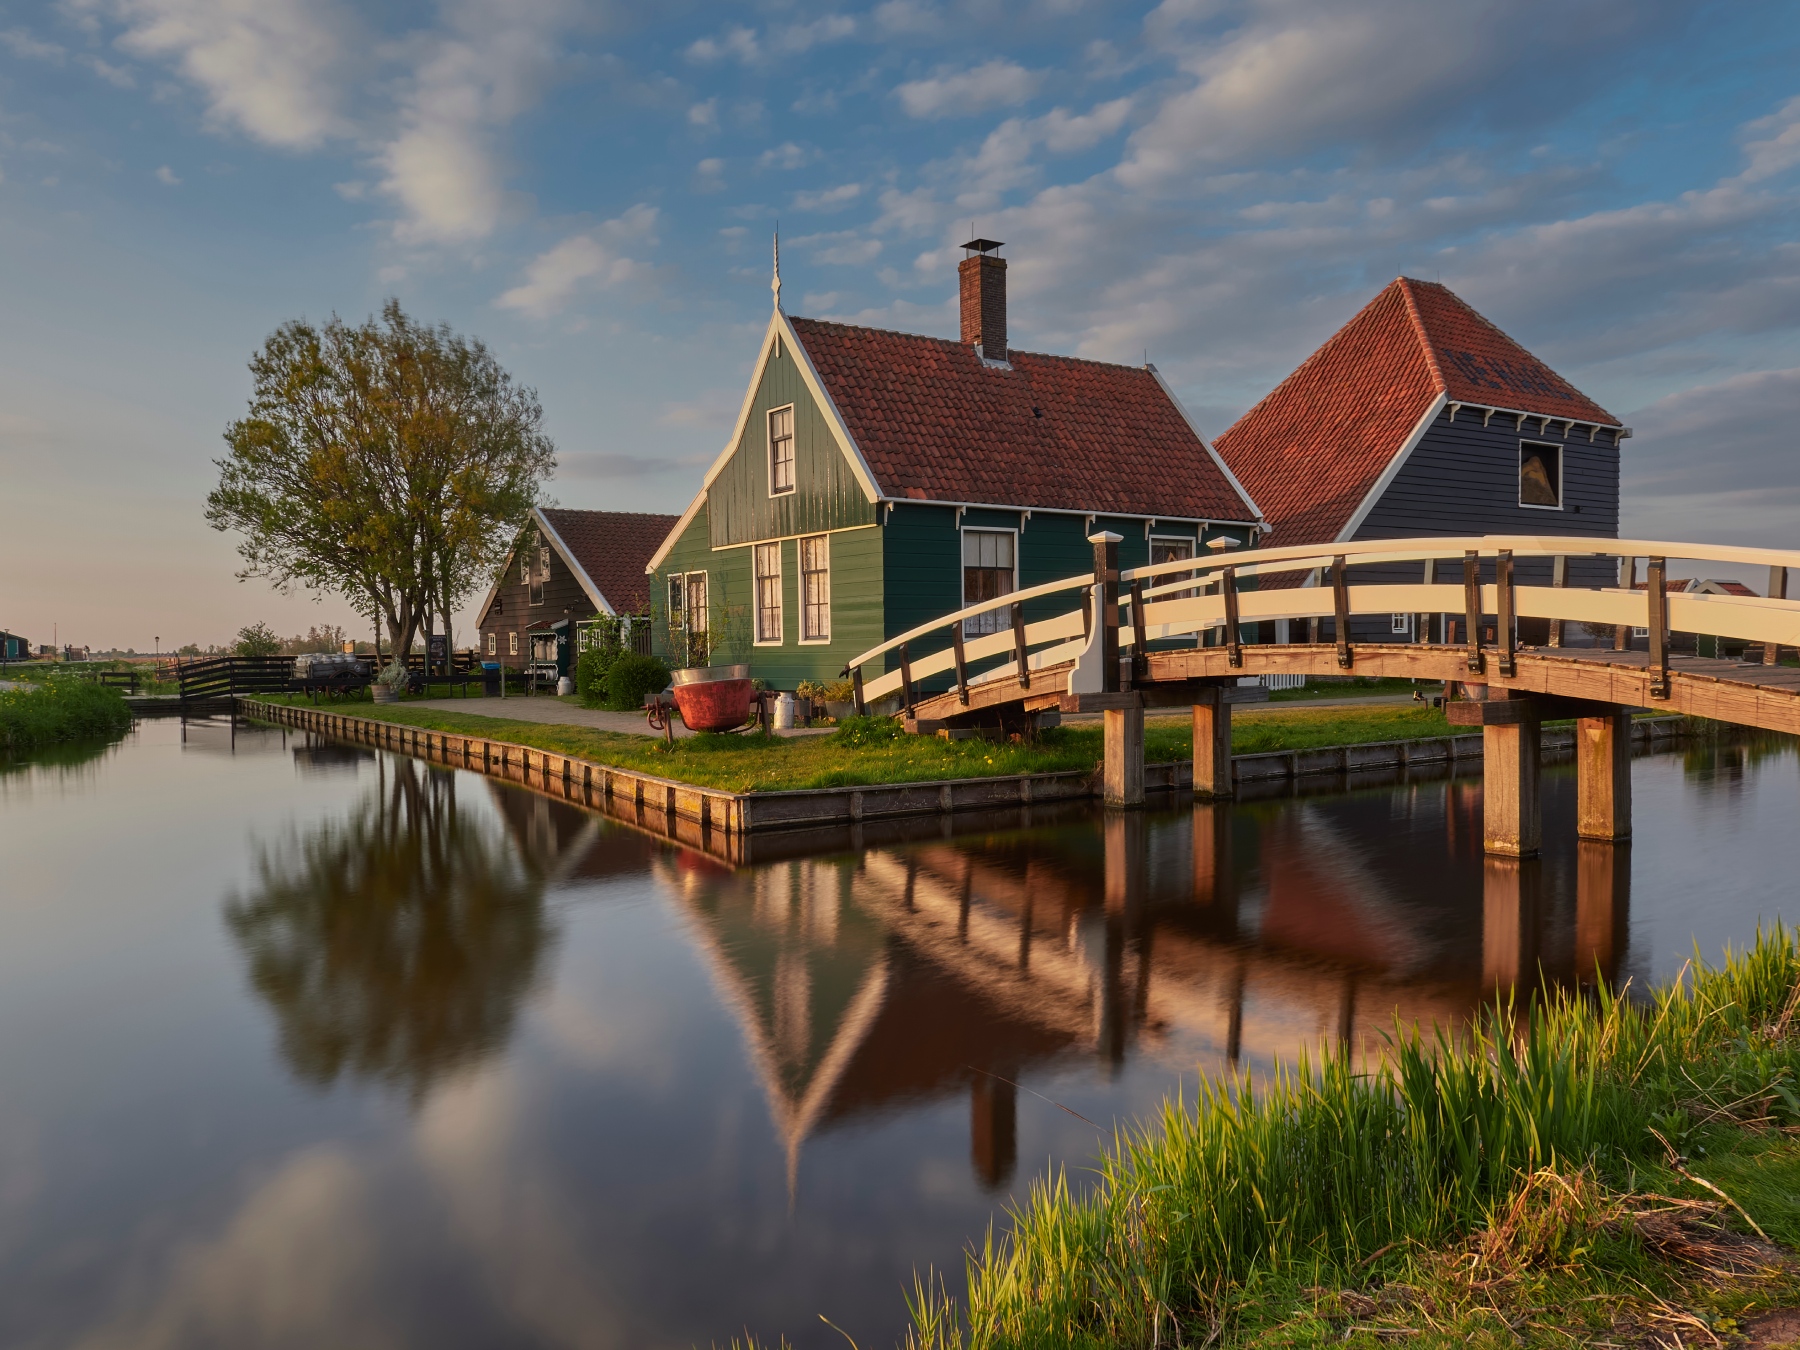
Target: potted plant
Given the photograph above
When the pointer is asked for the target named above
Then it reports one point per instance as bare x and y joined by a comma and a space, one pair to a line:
391, 683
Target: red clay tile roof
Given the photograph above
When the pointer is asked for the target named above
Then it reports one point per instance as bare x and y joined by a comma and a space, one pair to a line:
1311, 450
613, 547
934, 424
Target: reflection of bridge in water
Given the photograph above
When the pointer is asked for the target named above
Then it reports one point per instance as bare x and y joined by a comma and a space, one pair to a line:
1227, 933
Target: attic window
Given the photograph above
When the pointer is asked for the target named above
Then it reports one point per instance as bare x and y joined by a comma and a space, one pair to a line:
781, 451
1540, 475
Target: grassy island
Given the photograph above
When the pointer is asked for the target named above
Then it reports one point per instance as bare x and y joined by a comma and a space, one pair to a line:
54, 710
1593, 1170
870, 752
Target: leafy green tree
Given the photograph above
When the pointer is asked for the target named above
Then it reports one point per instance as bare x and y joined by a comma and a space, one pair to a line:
391, 463
258, 639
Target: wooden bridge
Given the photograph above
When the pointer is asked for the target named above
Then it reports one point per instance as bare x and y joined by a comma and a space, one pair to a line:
1102, 654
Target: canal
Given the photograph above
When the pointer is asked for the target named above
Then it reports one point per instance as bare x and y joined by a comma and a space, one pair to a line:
303, 1044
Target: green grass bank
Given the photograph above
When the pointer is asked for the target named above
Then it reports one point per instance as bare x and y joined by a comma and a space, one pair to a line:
55, 710
749, 763
1590, 1171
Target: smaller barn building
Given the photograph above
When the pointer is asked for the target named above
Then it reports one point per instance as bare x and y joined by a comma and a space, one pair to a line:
567, 566
13, 647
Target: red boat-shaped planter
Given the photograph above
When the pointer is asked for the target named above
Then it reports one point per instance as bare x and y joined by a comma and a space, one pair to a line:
713, 698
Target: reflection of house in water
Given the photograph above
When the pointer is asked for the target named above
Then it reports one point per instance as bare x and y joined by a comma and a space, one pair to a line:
913, 972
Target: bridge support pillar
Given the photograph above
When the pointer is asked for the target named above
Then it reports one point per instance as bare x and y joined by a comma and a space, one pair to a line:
1212, 745
1603, 776
1510, 921
1602, 909
1511, 824
1124, 750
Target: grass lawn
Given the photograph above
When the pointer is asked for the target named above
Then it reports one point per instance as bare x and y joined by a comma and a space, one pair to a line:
738, 763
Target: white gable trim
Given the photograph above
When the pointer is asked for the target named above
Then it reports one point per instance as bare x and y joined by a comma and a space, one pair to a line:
1224, 468
779, 328
1397, 463
562, 549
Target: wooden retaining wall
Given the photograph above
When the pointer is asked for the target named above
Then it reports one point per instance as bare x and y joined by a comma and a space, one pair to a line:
737, 814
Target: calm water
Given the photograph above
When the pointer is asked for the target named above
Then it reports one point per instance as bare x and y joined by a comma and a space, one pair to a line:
302, 1045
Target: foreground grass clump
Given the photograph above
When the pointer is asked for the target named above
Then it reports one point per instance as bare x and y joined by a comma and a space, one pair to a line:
1547, 1165
60, 710
873, 750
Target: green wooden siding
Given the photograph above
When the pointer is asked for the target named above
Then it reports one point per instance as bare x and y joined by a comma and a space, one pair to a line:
827, 495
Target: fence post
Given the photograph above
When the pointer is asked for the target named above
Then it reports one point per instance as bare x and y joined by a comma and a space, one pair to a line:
1018, 628
1777, 591
1472, 609
1106, 577
856, 692
1503, 591
962, 670
1627, 582
1659, 627
906, 694
1140, 654
1234, 646
1340, 606
1559, 578
1424, 619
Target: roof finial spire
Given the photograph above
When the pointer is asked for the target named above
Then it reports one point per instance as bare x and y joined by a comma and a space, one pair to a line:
775, 280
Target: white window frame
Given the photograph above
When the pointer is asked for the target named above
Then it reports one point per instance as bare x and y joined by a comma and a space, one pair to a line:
756, 605
1400, 623
1562, 454
1193, 556
513, 642
493, 644
809, 639
962, 572
687, 603
793, 440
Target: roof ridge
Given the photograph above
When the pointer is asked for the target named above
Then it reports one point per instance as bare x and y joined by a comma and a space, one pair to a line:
1406, 283
956, 343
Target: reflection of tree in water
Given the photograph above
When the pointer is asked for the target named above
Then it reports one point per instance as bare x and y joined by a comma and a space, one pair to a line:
394, 945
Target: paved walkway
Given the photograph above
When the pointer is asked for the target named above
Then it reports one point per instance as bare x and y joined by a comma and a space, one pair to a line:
554, 710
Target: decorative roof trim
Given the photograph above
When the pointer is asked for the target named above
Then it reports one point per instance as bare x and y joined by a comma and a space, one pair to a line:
1488, 410
1224, 468
1394, 465
1083, 511
568, 556
778, 328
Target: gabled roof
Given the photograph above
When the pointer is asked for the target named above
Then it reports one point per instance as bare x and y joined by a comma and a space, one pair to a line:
934, 422
1317, 446
607, 551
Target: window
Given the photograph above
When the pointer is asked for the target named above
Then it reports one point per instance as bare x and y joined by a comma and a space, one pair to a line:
493, 644
815, 589
1400, 623
989, 558
1168, 548
781, 450
1540, 475
540, 574
677, 603
696, 603
768, 593
512, 639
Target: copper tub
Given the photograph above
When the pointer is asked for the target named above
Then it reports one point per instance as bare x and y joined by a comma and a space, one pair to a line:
713, 698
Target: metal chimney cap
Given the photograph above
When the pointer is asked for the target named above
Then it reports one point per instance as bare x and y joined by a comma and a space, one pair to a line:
982, 245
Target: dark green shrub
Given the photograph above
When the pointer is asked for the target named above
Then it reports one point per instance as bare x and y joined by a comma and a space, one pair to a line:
60, 709
862, 732
591, 672
630, 678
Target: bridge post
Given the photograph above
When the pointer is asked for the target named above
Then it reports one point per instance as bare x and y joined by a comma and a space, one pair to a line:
1106, 577
1510, 920
1212, 744
1603, 777
1124, 750
1602, 909
1777, 591
1511, 823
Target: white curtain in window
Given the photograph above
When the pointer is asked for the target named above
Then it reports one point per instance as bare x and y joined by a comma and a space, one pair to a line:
768, 592
815, 586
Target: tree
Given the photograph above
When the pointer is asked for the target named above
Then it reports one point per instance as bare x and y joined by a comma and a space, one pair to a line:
391, 463
257, 640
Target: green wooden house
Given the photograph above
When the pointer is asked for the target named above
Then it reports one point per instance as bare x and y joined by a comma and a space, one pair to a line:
877, 480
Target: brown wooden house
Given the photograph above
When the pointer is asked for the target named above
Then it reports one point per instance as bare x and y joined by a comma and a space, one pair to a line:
567, 566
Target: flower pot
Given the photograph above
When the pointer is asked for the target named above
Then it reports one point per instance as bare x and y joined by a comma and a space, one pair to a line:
837, 712
384, 693
713, 698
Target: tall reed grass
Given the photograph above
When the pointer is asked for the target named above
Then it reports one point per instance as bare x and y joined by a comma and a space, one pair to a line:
60, 710
1310, 1173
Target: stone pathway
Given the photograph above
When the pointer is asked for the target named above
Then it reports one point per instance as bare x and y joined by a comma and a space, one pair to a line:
555, 711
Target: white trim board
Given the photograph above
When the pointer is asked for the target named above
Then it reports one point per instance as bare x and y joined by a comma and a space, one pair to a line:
587, 582
1224, 468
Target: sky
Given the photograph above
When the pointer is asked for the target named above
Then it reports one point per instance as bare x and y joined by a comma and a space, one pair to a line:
592, 189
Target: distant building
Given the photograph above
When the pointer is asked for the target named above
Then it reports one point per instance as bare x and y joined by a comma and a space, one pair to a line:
1420, 418
566, 566
13, 647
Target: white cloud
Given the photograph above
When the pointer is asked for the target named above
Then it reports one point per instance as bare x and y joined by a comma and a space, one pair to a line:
707, 175
704, 115
117, 76
844, 248
273, 69
997, 83
739, 41
594, 258
166, 176
1064, 132
746, 45
23, 45
909, 17
787, 155
1777, 148
828, 199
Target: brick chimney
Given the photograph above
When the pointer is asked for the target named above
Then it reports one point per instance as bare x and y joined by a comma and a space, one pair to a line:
983, 282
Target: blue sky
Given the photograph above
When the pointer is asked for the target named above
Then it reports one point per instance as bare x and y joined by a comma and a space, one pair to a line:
591, 188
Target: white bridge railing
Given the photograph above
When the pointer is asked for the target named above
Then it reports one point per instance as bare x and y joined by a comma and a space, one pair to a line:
1187, 597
